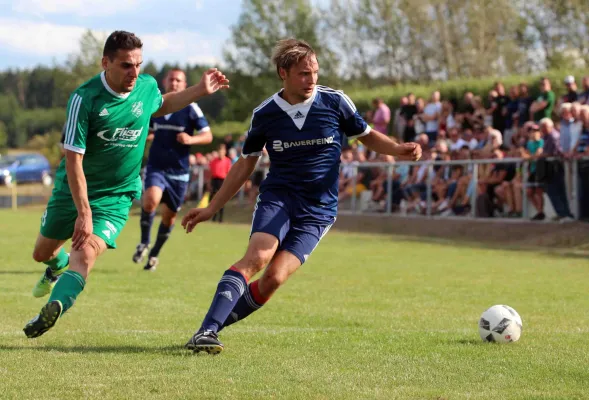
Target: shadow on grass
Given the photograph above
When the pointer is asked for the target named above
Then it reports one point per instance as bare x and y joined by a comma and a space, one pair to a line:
13, 272
176, 350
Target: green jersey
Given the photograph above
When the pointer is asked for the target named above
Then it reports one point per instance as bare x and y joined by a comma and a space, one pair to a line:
549, 98
110, 129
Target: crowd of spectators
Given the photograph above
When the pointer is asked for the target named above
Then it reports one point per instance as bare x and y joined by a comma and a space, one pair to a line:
507, 124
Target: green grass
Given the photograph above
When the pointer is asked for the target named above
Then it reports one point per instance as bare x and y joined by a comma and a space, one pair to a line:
367, 317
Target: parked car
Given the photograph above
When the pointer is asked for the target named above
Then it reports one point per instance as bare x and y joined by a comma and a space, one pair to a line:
27, 167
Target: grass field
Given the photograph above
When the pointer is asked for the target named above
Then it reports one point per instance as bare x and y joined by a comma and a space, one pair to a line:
367, 317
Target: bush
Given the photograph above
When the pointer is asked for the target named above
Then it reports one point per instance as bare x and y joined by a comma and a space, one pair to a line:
456, 88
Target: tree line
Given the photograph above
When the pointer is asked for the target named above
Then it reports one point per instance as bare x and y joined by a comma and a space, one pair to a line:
361, 44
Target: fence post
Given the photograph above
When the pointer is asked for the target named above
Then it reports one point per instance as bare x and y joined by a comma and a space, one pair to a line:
14, 193
200, 182
354, 181
576, 209
475, 181
525, 177
389, 205
428, 190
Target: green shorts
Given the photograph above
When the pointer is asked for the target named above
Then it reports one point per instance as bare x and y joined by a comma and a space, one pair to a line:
109, 215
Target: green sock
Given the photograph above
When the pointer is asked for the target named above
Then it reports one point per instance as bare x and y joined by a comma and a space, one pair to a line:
67, 288
60, 261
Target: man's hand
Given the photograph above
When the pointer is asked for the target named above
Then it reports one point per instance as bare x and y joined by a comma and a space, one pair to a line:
408, 152
82, 231
184, 138
213, 80
196, 216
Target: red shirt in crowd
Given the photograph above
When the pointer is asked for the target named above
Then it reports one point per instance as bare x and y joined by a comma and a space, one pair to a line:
220, 167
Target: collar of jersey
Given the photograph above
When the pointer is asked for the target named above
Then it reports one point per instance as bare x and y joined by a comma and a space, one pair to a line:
286, 106
103, 79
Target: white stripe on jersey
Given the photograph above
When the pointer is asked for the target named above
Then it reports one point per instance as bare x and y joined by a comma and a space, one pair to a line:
197, 110
72, 120
325, 89
258, 108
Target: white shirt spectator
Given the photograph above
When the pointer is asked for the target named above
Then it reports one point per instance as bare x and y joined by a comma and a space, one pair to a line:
457, 145
430, 110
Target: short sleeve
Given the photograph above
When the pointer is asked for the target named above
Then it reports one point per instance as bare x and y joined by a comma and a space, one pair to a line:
198, 119
351, 121
76, 126
255, 138
156, 95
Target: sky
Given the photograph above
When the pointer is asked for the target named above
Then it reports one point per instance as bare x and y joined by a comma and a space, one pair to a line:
44, 32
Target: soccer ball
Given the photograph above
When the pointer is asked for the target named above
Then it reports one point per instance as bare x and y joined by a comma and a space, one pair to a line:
500, 324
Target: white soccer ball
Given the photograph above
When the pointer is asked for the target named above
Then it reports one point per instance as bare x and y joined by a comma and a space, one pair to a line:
500, 324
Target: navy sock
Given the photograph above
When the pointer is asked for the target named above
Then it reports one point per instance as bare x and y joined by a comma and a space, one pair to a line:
229, 290
146, 222
248, 303
163, 233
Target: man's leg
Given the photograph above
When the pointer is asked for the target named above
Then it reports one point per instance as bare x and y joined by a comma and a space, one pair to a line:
51, 253
171, 201
257, 293
230, 289
270, 225
295, 249
67, 289
151, 199
163, 233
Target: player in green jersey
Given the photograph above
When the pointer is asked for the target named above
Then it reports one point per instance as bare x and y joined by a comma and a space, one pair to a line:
104, 141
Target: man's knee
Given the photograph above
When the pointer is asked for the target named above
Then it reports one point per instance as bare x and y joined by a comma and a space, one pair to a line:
253, 263
40, 254
45, 252
149, 204
272, 280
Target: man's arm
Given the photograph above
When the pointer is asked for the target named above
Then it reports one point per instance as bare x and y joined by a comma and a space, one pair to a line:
211, 81
187, 139
385, 145
79, 189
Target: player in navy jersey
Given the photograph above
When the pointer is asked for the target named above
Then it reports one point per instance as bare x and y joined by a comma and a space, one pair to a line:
302, 128
167, 172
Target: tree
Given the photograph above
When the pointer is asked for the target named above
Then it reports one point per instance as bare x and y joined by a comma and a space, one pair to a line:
261, 24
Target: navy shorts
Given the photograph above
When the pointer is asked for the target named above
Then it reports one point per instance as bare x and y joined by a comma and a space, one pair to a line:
173, 190
284, 217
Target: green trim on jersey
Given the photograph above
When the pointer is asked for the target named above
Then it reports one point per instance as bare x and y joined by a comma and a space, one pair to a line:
110, 129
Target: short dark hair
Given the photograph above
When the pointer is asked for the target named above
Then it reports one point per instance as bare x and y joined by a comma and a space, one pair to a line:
120, 40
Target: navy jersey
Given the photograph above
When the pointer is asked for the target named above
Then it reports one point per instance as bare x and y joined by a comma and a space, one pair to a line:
304, 142
166, 153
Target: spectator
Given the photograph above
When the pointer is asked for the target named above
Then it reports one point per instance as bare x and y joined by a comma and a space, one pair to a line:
232, 154
544, 104
399, 122
584, 95
408, 111
569, 132
523, 107
431, 116
498, 108
552, 173
448, 117
466, 111
228, 141
219, 167
571, 95
491, 190
511, 115
582, 150
455, 141
535, 191
418, 118
382, 116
